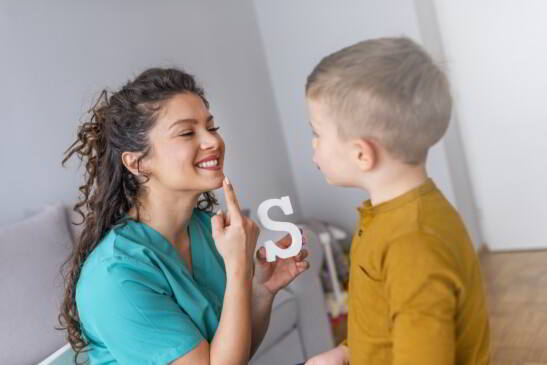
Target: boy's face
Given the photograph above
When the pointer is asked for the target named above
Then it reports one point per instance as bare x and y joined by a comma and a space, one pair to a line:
331, 154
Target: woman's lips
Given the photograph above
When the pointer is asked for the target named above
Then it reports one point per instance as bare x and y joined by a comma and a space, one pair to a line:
218, 167
214, 165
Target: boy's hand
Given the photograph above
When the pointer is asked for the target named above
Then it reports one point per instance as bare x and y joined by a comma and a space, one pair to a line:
337, 356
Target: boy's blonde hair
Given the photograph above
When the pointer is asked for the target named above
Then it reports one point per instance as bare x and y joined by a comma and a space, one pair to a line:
386, 89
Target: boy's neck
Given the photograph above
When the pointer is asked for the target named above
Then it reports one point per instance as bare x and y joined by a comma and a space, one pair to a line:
396, 182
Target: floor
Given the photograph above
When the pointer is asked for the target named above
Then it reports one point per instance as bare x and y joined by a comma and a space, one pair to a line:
516, 284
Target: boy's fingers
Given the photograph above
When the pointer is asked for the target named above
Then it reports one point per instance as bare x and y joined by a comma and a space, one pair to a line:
232, 205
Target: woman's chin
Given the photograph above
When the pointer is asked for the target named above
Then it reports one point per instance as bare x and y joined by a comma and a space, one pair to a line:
217, 186
211, 182
218, 181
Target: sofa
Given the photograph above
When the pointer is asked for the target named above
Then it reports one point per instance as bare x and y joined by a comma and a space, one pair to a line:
32, 251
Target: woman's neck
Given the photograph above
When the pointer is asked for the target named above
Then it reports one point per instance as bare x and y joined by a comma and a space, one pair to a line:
168, 213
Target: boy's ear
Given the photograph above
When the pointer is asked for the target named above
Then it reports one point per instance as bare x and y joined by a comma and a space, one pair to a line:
131, 161
364, 154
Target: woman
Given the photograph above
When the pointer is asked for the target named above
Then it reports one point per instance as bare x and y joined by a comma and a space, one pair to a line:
156, 278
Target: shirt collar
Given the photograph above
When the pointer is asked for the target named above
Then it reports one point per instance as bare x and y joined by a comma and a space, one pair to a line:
367, 209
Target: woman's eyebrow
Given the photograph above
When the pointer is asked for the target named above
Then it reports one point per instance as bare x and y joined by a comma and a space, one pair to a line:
190, 120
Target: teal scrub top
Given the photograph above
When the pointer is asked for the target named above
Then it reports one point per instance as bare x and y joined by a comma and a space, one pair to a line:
137, 301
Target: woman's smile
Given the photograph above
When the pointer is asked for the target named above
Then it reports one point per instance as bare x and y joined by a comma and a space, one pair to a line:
212, 162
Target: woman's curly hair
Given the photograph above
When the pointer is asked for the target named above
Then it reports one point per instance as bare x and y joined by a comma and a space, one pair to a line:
119, 122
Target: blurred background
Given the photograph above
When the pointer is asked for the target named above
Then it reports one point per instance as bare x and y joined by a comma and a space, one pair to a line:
253, 57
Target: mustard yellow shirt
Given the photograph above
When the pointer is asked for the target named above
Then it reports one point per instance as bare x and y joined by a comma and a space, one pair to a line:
415, 291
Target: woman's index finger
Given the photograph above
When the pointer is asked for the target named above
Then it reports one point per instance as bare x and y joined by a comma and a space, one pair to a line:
231, 200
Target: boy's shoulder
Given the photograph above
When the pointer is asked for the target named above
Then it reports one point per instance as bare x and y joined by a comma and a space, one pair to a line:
423, 210
426, 222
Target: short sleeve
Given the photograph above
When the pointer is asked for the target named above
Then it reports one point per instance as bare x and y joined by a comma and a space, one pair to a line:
128, 305
422, 288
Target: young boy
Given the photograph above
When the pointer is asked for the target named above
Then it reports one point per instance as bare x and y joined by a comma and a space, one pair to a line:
415, 291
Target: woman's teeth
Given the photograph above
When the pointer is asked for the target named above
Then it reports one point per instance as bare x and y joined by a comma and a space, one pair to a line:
208, 163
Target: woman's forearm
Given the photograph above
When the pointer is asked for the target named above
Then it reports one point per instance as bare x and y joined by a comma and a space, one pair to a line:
262, 301
232, 341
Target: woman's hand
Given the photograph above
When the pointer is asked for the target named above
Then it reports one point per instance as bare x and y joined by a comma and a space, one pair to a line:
235, 235
273, 276
337, 356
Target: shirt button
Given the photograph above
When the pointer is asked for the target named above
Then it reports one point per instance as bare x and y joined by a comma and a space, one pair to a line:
360, 232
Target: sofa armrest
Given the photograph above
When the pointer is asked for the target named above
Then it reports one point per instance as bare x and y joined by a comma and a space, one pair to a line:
63, 356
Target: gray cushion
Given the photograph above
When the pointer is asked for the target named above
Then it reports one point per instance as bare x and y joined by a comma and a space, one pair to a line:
282, 321
287, 351
31, 253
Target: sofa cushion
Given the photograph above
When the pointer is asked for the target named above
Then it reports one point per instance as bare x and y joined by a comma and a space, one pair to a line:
287, 351
31, 253
282, 321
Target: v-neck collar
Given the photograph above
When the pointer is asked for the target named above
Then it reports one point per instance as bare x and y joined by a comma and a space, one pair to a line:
190, 249
171, 249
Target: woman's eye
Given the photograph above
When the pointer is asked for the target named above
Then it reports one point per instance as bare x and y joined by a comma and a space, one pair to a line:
191, 133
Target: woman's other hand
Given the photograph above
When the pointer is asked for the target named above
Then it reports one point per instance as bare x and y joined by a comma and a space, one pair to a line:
273, 276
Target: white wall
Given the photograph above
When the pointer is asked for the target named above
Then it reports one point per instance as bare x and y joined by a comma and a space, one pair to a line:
497, 55
456, 158
57, 56
296, 35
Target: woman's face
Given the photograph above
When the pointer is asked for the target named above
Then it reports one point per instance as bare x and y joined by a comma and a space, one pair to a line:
187, 153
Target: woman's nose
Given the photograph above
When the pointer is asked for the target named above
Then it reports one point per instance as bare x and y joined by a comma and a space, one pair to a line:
210, 141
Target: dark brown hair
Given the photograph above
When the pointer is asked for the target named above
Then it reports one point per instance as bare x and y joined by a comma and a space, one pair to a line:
119, 122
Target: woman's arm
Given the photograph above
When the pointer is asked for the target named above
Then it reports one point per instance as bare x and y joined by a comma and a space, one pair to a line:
231, 342
235, 238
